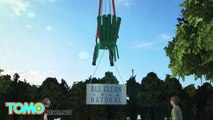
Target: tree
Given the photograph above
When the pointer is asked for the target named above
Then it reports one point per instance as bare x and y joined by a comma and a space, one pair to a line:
16, 77
1, 71
149, 97
50, 88
171, 87
109, 78
57, 93
132, 92
5, 88
13, 90
189, 107
191, 50
203, 100
64, 88
112, 110
77, 101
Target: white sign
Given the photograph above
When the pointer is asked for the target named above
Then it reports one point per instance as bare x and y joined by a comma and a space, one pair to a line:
106, 94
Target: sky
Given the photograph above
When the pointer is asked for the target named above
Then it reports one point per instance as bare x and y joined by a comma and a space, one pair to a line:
56, 38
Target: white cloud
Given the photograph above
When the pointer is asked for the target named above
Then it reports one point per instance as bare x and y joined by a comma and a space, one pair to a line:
49, 28
125, 3
158, 41
31, 14
18, 6
33, 77
165, 37
144, 45
16, 11
83, 55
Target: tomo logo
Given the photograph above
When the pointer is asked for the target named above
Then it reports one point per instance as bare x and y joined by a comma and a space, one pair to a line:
25, 108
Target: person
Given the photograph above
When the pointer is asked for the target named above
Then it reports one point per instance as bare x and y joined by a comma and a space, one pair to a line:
176, 112
46, 103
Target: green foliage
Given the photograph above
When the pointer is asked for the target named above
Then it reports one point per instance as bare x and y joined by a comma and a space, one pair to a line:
1, 71
5, 84
132, 92
50, 88
150, 98
77, 98
109, 78
191, 50
188, 103
171, 87
5, 87
151, 95
203, 100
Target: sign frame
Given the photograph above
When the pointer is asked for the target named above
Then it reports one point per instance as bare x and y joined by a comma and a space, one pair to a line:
106, 94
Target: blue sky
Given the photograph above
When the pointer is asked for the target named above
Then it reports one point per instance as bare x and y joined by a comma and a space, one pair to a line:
56, 38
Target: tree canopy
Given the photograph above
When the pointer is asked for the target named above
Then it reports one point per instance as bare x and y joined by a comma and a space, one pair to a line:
150, 98
191, 50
